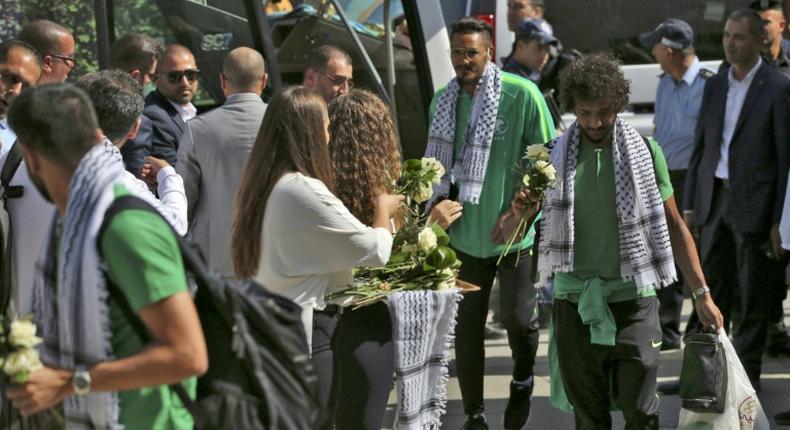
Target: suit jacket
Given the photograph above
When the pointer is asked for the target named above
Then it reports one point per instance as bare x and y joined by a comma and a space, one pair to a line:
212, 155
166, 126
135, 150
759, 153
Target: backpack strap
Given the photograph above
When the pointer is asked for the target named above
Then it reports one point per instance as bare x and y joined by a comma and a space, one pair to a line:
12, 162
117, 206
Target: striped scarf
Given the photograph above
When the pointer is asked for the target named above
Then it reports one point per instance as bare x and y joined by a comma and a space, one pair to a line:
70, 291
645, 247
470, 169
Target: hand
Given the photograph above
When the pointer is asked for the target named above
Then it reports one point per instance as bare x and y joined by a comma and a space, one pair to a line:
505, 225
151, 168
445, 213
776, 242
389, 204
709, 315
525, 204
45, 388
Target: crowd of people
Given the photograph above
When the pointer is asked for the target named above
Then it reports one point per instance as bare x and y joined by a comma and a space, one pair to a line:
294, 193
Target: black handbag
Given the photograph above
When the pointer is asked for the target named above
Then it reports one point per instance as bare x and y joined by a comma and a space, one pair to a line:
703, 378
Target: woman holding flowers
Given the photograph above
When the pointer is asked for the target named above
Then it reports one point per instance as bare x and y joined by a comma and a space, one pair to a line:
291, 233
365, 158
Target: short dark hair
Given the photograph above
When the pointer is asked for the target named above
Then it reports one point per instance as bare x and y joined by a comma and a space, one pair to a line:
319, 57
756, 22
44, 35
117, 100
398, 20
468, 24
10, 45
56, 121
592, 77
134, 51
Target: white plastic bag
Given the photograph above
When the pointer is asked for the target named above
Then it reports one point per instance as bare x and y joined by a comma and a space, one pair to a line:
742, 410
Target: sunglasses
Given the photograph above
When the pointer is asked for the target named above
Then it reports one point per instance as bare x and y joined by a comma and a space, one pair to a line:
70, 62
176, 76
340, 80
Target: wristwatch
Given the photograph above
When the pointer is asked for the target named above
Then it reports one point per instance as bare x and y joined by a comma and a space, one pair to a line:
699, 292
81, 381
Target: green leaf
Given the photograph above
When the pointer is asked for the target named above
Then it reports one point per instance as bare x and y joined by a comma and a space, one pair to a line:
440, 258
411, 166
21, 377
442, 238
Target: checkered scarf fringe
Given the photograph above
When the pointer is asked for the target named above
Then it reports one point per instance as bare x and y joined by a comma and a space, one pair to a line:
470, 172
644, 242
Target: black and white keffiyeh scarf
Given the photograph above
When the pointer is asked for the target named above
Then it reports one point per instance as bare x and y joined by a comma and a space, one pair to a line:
645, 247
423, 327
470, 170
70, 291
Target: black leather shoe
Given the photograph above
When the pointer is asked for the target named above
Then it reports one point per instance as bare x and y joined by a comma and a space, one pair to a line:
782, 418
476, 422
518, 405
778, 341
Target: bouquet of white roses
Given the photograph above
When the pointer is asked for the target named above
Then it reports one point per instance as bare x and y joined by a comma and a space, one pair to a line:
421, 258
537, 175
18, 355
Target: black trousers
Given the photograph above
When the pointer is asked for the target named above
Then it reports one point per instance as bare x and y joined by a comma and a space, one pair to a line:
324, 323
741, 278
594, 374
365, 366
671, 297
519, 315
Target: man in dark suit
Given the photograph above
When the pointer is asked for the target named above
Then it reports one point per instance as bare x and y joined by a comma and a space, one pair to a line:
169, 107
736, 182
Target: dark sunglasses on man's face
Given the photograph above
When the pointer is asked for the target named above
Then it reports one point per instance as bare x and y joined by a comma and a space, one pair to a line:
176, 76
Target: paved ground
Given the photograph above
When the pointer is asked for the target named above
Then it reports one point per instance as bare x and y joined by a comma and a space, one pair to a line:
775, 395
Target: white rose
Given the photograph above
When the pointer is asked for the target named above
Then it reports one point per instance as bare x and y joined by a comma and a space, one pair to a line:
423, 193
538, 152
442, 286
549, 172
525, 181
23, 361
409, 249
23, 334
434, 164
426, 240
450, 273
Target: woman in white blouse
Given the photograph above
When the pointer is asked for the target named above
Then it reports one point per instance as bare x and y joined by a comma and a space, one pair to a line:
291, 233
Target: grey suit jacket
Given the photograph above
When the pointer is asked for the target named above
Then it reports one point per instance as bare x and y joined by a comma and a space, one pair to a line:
212, 154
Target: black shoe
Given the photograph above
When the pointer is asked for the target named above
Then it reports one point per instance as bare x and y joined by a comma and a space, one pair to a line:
475, 422
669, 346
671, 388
495, 331
778, 341
518, 405
782, 418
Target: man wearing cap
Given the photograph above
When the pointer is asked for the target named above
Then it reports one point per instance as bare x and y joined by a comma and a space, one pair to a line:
678, 100
538, 56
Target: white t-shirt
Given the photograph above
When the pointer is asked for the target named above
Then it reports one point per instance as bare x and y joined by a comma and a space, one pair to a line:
311, 242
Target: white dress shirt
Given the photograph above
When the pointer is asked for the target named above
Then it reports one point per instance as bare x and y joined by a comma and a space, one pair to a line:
172, 201
736, 95
186, 112
7, 138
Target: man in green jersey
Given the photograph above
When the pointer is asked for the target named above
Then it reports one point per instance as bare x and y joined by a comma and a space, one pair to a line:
95, 363
481, 124
609, 229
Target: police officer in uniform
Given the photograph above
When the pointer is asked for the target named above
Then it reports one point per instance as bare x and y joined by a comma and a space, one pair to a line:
677, 106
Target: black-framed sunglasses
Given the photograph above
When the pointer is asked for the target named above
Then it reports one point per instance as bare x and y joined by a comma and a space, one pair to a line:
70, 62
176, 76
340, 80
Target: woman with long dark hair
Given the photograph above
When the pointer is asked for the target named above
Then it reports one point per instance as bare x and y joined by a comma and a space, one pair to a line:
290, 232
365, 157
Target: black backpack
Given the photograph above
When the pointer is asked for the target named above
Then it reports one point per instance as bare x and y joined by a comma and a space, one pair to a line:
13, 160
260, 375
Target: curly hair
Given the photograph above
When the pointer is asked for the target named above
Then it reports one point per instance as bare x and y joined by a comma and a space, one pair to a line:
592, 77
364, 150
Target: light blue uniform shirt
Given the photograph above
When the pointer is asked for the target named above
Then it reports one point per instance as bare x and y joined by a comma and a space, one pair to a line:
676, 112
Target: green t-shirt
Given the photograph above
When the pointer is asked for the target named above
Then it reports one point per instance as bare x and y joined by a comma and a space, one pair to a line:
522, 119
595, 249
144, 262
